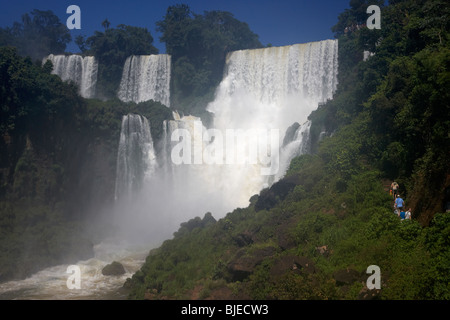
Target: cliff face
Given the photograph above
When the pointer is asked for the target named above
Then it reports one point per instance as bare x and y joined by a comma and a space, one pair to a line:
53, 176
387, 121
57, 183
430, 196
309, 236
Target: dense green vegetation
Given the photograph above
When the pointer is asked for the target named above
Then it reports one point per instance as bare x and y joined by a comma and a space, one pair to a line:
275, 253
112, 47
58, 151
310, 236
198, 45
57, 164
390, 120
37, 35
399, 97
33, 157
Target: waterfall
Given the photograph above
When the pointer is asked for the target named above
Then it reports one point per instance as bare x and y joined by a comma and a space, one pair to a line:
76, 69
136, 159
276, 86
300, 144
248, 147
146, 78
263, 91
273, 75
270, 89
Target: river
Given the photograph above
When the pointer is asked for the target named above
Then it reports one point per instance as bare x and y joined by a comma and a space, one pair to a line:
52, 283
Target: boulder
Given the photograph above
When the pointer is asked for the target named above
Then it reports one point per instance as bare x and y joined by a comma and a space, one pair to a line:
284, 236
305, 264
243, 239
113, 269
289, 136
346, 276
243, 264
294, 264
369, 294
268, 198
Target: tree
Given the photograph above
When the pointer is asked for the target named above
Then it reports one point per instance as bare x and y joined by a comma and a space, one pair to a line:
106, 24
80, 41
198, 45
436, 22
174, 28
39, 34
355, 16
115, 45
112, 48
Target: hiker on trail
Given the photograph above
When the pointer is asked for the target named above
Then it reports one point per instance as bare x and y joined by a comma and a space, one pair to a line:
408, 214
399, 203
394, 188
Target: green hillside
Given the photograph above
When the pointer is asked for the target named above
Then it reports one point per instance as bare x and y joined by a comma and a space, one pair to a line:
313, 234
58, 151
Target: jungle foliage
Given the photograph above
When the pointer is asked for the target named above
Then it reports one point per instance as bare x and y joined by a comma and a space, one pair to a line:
198, 44
389, 119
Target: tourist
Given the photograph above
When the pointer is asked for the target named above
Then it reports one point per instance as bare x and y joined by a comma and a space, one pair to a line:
408, 214
399, 203
394, 188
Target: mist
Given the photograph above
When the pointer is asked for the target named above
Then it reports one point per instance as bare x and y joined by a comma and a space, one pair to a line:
263, 91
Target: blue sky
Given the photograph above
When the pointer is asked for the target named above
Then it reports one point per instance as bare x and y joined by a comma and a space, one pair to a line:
281, 22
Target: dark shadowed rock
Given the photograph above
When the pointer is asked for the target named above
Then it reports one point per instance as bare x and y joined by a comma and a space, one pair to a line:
305, 264
289, 136
346, 276
278, 191
243, 264
285, 239
369, 294
243, 239
292, 263
113, 269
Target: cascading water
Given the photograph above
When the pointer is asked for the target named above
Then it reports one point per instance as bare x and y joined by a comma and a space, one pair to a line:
146, 78
136, 159
51, 283
300, 144
75, 68
263, 90
270, 89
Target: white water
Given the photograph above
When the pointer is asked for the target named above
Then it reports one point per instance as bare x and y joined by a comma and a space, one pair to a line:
51, 283
262, 90
136, 159
75, 68
270, 89
146, 78
298, 146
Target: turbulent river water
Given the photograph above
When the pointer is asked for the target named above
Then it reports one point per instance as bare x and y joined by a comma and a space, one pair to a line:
52, 283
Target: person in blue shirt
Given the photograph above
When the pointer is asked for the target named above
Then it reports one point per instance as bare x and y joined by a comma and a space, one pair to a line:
399, 203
